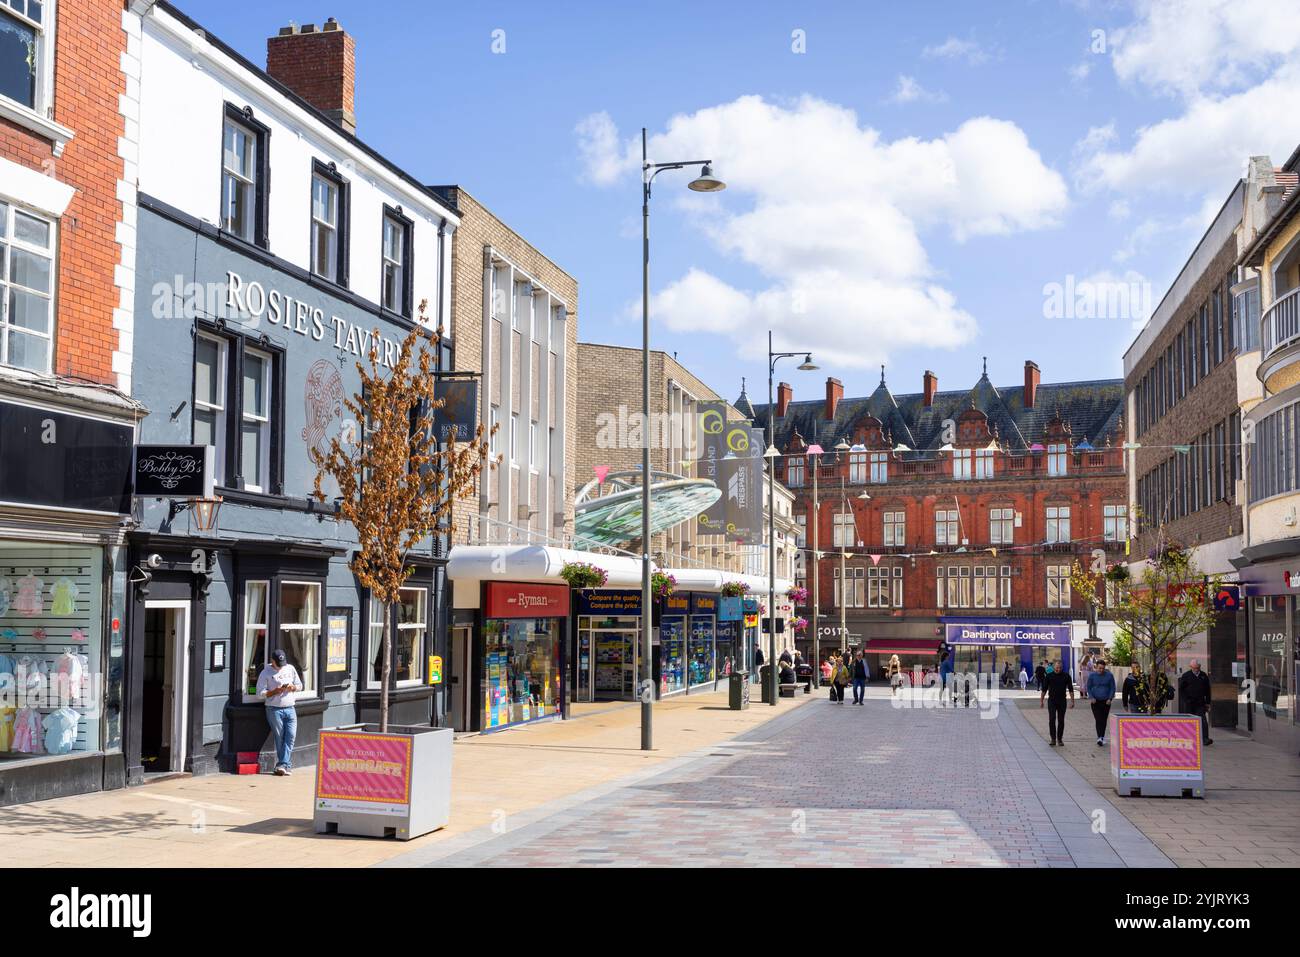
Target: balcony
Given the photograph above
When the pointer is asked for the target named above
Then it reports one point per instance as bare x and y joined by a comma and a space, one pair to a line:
1279, 369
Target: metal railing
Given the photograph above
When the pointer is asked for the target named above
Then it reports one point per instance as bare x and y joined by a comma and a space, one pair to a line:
1279, 327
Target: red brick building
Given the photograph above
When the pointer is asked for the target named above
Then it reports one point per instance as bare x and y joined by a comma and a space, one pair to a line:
69, 95
953, 508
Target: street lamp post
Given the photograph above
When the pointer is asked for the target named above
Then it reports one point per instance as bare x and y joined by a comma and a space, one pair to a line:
771, 455
706, 182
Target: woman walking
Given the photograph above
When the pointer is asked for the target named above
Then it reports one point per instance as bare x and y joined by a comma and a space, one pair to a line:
895, 674
840, 679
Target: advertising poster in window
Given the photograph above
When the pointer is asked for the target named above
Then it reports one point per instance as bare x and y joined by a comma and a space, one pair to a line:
338, 631
365, 773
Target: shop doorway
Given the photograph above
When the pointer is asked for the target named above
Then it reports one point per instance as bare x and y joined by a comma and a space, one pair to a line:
460, 690
165, 703
608, 659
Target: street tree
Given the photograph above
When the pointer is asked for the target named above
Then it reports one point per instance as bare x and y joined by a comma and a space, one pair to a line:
395, 480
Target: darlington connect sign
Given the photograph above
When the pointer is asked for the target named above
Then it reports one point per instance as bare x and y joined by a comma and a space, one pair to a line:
1006, 633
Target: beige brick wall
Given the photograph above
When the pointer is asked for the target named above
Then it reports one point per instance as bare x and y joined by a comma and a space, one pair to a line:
611, 377
479, 230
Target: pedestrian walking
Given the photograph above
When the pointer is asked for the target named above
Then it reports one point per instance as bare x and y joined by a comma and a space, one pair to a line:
839, 680
1100, 689
758, 662
1056, 685
827, 669
895, 675
1194, 697
1024, 678
1129, 693
277, 685
1040, 673
859, 679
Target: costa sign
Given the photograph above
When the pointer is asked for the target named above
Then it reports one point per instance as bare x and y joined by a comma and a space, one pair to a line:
525, 600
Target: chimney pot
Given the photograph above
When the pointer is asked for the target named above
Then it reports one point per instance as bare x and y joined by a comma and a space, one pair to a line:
834, 392
1032, 378
929, 386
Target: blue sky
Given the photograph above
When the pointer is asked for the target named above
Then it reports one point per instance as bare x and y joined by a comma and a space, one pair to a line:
901, 192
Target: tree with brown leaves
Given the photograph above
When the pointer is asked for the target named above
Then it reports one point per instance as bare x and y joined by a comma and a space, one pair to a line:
395, 481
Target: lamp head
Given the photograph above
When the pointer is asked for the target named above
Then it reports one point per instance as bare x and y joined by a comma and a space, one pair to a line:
808, 365
706, 182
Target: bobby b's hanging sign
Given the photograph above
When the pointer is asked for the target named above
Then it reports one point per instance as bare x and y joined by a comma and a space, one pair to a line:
173, 471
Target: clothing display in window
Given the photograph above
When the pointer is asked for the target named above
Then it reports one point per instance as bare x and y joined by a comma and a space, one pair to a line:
6, 665
28, 600
61, 730
7, 716
4, 596
64, 595
27, 732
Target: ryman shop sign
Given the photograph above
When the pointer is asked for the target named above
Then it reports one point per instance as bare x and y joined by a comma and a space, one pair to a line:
1006, 633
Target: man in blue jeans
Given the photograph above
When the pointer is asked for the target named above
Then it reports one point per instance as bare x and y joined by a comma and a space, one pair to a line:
277, 685
860, 675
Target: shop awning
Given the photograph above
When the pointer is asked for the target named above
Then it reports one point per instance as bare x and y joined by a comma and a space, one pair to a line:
902, 646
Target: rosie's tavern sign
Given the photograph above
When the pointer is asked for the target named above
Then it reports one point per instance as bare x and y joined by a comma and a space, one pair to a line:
252, 302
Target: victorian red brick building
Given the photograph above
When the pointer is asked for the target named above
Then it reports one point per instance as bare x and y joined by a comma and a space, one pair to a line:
952, 508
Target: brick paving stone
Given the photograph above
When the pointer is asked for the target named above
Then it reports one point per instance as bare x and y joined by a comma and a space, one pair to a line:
836, 786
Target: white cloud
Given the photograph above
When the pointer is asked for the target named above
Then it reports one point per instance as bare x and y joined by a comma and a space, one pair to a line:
955, 49
1080, 71
1191, 47
603, 158
908, 90
831, 217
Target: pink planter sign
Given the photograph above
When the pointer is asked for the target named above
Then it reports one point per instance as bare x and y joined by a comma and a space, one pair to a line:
368, 773
1156, 753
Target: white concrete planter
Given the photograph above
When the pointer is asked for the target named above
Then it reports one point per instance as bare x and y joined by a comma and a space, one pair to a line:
396, 784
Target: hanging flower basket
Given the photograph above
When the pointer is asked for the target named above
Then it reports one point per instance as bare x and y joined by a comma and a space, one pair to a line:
798, 595
1117, 573
662, 584
584, 575
799, 624
734, 589
1167, 554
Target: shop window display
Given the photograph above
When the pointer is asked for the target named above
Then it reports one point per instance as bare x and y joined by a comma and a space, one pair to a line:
1271, 673
50, 650
521, 674
701, 650
297, 625
672, 655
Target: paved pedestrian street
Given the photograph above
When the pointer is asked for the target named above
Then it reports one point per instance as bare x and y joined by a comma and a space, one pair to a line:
834, 785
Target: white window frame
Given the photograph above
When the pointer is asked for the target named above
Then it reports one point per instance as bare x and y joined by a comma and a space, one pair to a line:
857, 468
1002, 526
331, 270
844, 533
222, 379
391, 271
962, 464
794, 473
895, 527
8, 243
308, 680
250, 627
375, 638
879, 468
984, 463
39, 115
248, 179
1058, 459
1058, 524
947, 529
801, 530
1114, 523
1058, 586
260, 483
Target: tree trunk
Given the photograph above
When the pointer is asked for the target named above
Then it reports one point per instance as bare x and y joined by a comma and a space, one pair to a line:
385, 671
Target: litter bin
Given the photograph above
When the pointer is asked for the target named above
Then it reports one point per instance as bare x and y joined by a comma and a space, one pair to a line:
738, 690
764, 680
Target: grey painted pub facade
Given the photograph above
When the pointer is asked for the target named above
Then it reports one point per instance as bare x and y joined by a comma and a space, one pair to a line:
239, 349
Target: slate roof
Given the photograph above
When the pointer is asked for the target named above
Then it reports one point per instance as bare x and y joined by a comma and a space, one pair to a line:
1093, 410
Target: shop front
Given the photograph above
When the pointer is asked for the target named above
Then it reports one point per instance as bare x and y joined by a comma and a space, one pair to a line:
1272, 645
608, 649
65, 490
992, 647
520, 653
703, 652
671, 662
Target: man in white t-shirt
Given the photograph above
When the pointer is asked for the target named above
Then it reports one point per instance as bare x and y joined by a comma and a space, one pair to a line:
277, 685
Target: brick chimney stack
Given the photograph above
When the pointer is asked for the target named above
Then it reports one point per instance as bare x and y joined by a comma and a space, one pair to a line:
319, 65
834, 392
1032, 378
784, 394
929, 386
